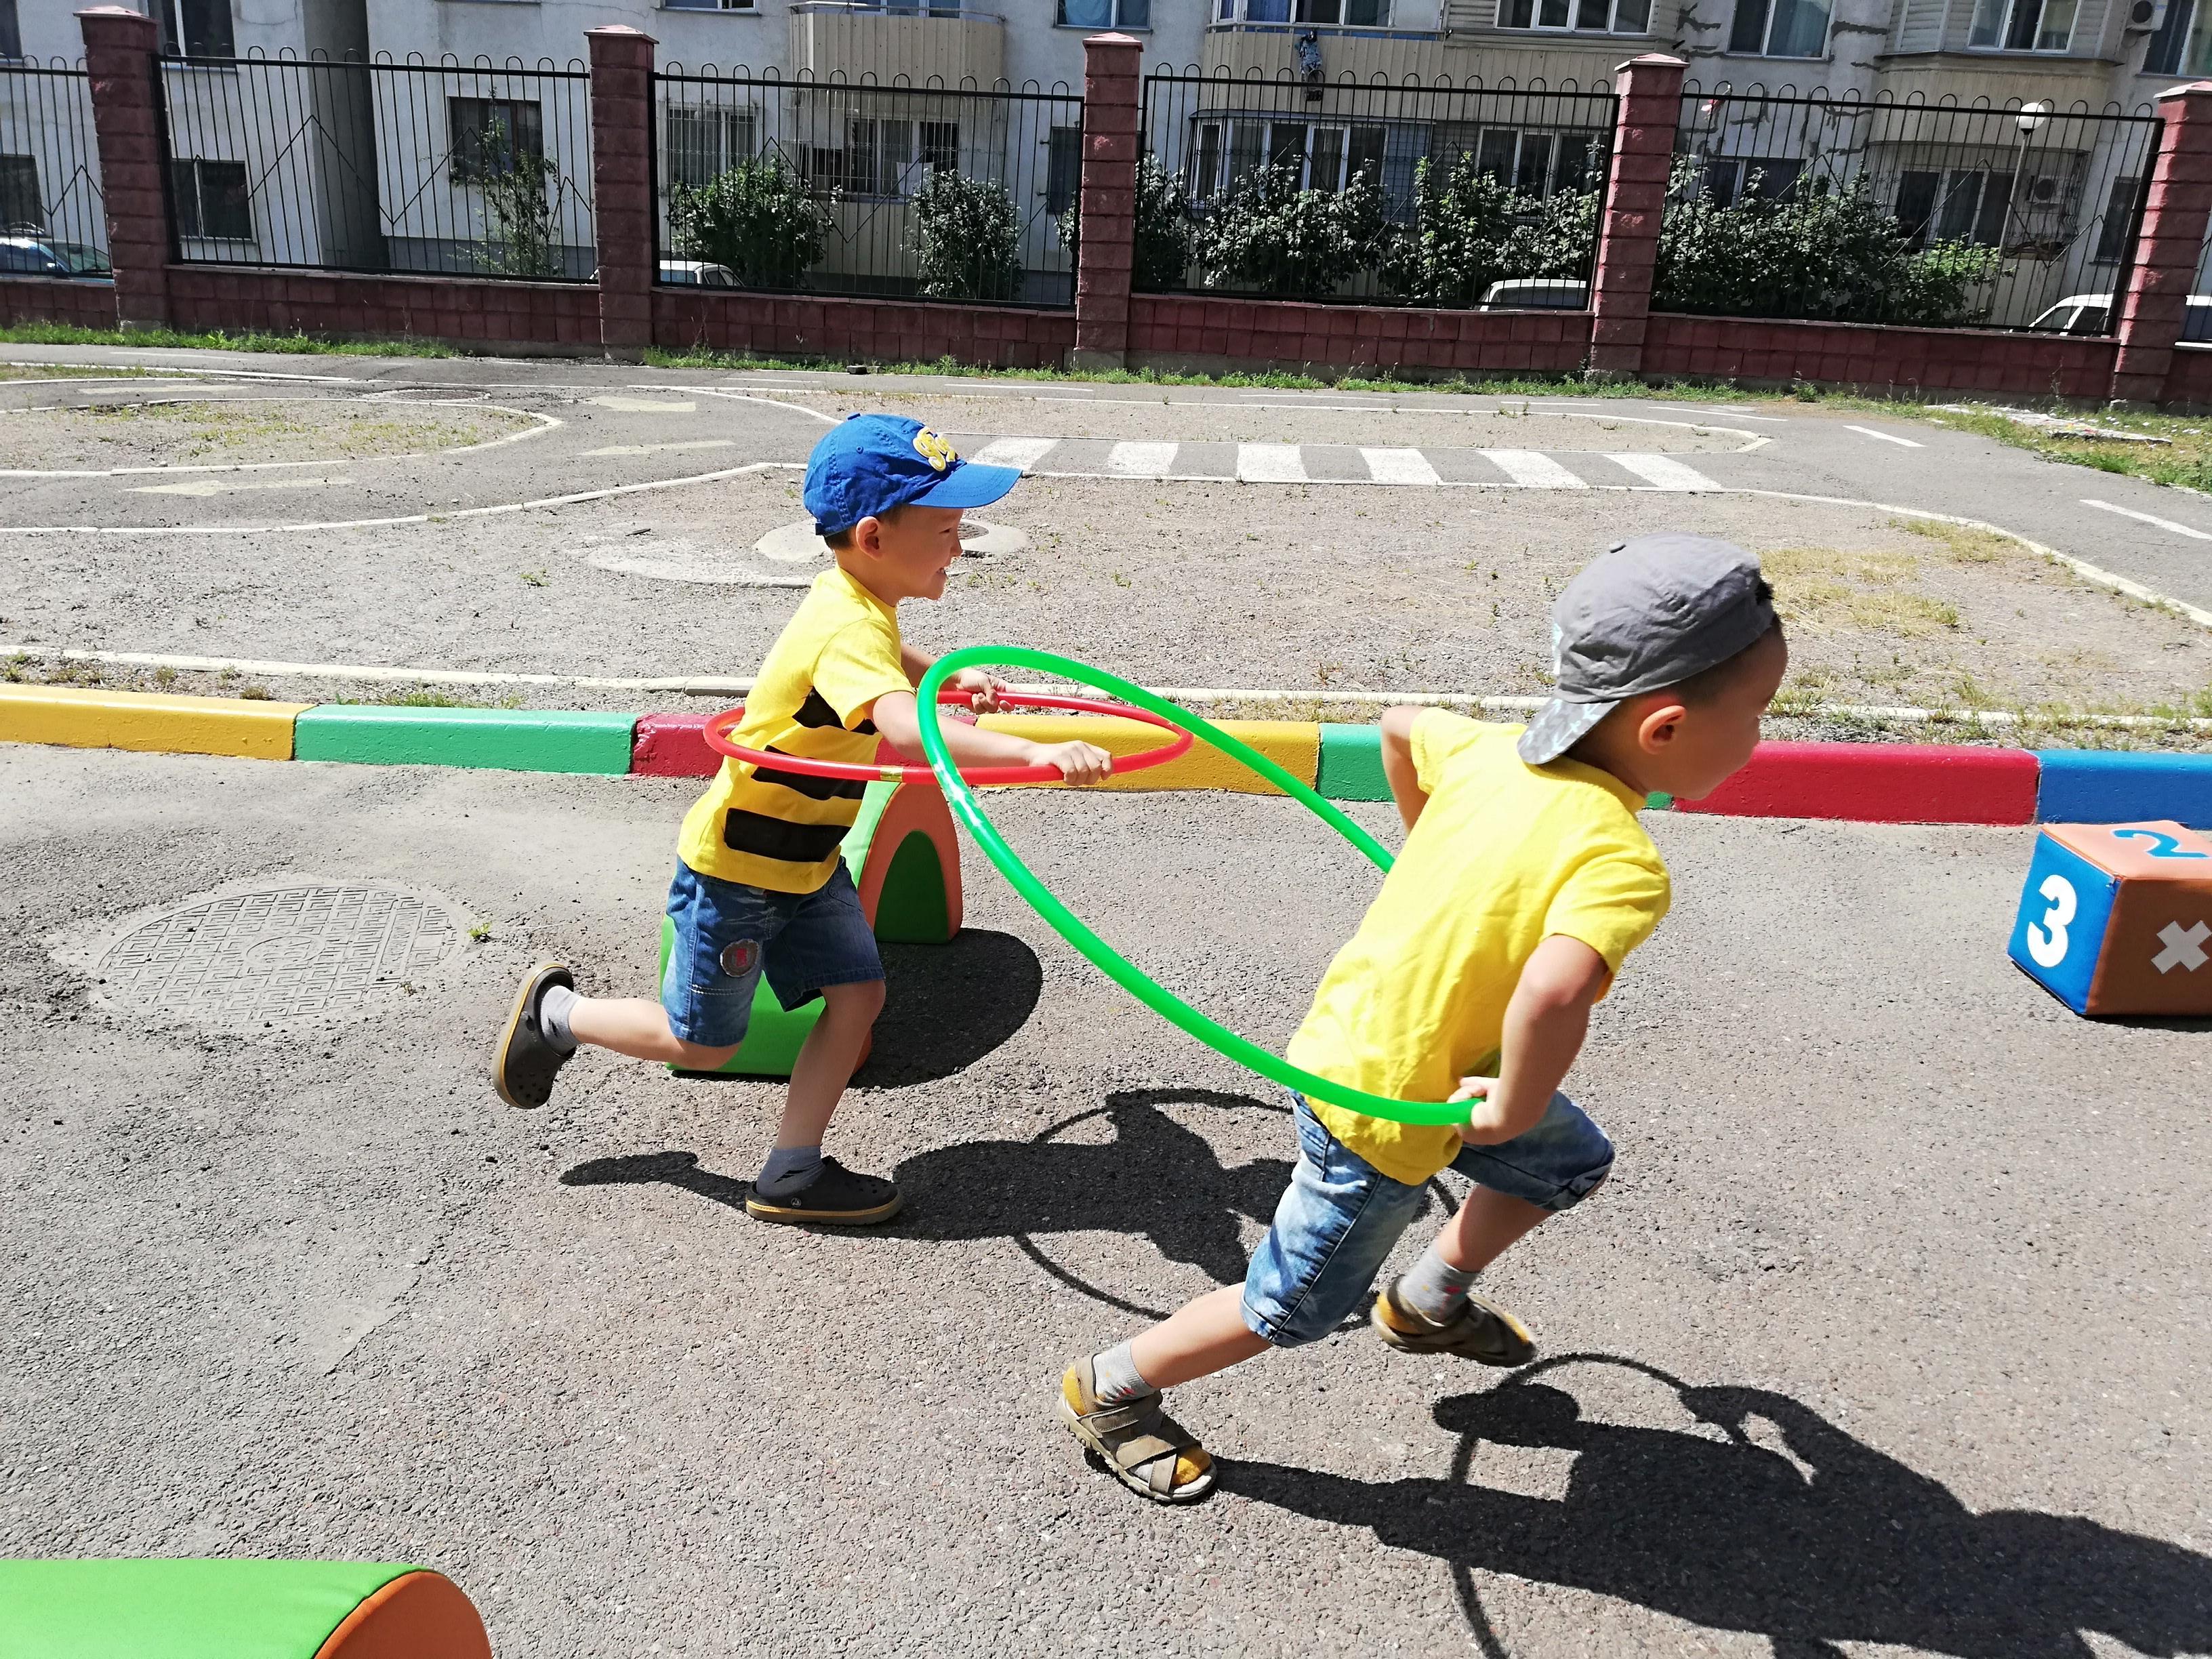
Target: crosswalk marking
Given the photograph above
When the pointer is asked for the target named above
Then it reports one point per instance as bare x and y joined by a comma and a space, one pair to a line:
1664, 471
1271, 463
1526, 466
1135, 460
1022, 452
1398, 466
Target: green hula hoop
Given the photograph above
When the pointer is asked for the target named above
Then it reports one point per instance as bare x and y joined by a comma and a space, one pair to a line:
1078, 933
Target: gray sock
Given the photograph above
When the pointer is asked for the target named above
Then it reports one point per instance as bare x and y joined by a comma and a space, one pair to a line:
1434, 1289
1114, 1378
555, 1003
789, 1170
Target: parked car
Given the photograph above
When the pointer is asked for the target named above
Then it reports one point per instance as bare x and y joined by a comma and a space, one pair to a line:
1535, 293
2085, 314
32, 256
83, 259
697, 273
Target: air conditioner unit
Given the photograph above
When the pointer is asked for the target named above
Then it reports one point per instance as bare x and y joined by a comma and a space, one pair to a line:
2145, 16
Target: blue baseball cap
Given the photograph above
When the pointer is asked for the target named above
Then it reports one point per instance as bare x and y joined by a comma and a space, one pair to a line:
872, 463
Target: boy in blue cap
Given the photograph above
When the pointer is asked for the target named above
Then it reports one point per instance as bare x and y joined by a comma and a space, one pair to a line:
759, 886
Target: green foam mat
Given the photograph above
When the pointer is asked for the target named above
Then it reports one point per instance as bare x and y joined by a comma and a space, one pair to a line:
142, 1609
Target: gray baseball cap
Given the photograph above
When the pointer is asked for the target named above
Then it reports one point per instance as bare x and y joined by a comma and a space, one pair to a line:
1647, 614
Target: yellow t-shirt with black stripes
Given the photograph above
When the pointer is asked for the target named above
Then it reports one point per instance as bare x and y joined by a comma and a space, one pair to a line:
781, 830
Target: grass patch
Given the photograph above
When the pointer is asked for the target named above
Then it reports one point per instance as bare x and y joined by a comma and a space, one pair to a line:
271, 428
69, 372
1858, 588
2183, 460
1962, 543
218, 340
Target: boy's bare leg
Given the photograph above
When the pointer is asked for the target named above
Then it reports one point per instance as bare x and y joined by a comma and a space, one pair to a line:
826, 1061
1485, 1228
633, 1026
1197, 1340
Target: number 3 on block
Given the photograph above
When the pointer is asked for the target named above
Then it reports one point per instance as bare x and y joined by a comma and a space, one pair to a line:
2047, 944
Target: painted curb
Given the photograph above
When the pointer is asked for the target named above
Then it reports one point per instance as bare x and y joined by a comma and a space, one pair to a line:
1294, 745
148, 722
672, 746
2090, 785
1880, 783
1352, 762
513, 740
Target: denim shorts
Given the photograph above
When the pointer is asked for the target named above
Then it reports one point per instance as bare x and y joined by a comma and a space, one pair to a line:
728, 934
1340, 1216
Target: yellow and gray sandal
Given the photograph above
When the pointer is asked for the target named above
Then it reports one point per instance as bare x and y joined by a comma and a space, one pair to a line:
1141, 1446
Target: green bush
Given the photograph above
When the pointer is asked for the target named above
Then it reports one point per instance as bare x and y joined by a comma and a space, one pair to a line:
1470, 230
1162, 254
759, 219
1268, 236
1831, 256
521, 238
969, 237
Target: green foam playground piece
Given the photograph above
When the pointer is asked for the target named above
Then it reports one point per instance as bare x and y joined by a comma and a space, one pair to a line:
911, 909
507, 740
139, 1609
1352, 763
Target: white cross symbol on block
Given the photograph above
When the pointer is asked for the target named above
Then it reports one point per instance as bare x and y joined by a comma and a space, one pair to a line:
2184, 947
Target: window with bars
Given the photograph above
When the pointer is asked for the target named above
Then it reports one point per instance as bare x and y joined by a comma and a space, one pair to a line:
1956, 204
1577, 17
701, 144
212, 201
490, 136
21, 207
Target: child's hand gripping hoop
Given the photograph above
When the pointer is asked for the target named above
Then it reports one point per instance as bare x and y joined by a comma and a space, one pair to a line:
1073, 928
720, 726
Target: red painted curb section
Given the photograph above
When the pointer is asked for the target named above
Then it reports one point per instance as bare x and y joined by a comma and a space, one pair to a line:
673, 746
1880, 783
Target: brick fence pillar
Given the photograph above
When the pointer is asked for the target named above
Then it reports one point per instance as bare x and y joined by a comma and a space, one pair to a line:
1105, 252
1650, 90
622, 187
120, 48
2175, 210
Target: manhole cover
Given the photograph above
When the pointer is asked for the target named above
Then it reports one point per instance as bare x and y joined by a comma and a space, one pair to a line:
271, 953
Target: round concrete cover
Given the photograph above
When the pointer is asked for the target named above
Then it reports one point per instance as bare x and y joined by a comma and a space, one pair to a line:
253, 956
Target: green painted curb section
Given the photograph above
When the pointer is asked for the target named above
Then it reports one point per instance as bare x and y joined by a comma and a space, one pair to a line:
1352, 763
136, 1610
513, 740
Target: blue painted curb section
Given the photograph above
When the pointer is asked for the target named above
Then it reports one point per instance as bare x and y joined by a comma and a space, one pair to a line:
2089, 785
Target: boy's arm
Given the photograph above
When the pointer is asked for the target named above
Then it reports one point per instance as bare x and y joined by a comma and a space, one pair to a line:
1545, 1024
899, 721
916, 663
1398, 761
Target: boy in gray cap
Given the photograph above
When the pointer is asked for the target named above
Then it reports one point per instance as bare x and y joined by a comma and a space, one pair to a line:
1525, 881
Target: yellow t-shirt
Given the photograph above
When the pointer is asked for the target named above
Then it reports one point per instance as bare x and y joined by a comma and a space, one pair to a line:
1504, 855
781, 830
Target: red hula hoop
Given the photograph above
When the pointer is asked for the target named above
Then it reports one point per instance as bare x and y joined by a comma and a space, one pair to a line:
719, 726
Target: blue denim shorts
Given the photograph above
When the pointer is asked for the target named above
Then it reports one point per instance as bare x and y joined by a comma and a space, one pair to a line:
1340, 1216
728, 934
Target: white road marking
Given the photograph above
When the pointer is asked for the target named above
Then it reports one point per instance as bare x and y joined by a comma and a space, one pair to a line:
1886, 437
1019, 453
2184, 947
2150, 519
1270, 463
645, 405
1664, 470
655, 449
1534, 471
1398, 466
225, 486
1133, 461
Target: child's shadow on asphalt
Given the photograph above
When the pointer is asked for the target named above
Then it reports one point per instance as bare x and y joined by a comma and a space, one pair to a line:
1830, 1542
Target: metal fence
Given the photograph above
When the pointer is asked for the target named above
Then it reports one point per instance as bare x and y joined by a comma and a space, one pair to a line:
53, 222
2015, 215
934, 191
1297, 187
463, 169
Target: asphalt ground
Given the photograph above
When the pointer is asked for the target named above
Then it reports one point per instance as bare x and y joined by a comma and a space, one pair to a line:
1885, 1339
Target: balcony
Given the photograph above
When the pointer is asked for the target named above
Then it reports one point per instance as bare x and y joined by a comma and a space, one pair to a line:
930, 40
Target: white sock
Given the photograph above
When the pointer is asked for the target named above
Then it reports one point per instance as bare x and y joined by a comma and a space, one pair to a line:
555, 1003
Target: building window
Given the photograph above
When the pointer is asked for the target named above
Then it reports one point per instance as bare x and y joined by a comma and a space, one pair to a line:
702, 144
1326, 156
11, 31
212, 201
21, 207
1528, 161
1577, 17
884, 158
1725, 180
1959, 204
1106, 14
2023, 24
1341, 13
1780, 28
490, 136
2182, 44
2118, 224
705, 5
1063, 172
195, 28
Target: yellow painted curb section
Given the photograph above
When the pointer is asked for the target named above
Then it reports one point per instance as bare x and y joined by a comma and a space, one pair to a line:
1294, 745
82, 719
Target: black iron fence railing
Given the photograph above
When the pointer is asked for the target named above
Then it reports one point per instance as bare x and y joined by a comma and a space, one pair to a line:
53, 222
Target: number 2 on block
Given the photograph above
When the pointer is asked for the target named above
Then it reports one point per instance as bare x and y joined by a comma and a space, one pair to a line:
2162, 846
2049, 948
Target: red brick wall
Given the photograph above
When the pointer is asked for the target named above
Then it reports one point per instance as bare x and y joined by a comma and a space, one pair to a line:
2189, 379
1203, 333
44, 300
883, 330
1870, 355
463, 310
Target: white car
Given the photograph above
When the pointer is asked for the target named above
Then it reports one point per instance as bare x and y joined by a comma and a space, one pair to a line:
2085, 314
697, 273
1536, 294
